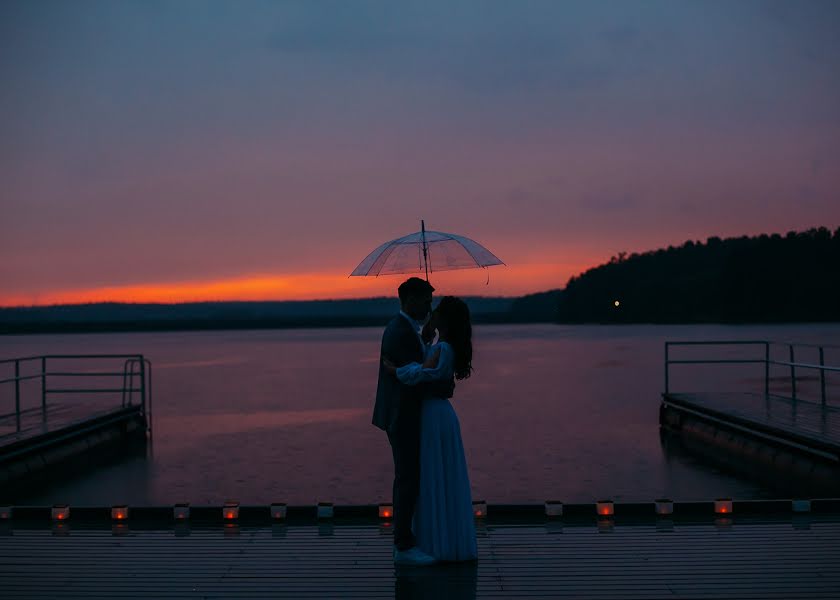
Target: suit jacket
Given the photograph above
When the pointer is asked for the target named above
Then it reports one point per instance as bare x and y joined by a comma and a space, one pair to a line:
397, 405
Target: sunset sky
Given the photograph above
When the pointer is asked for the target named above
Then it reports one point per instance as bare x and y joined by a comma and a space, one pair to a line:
197, 150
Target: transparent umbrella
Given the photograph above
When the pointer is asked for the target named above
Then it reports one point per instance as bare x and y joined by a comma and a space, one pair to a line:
426, 250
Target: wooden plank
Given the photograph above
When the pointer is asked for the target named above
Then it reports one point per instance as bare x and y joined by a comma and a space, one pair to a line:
760, 560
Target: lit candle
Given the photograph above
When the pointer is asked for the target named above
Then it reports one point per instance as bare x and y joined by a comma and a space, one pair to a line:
723, 506
604, 508
61, 512
230, 511
119, 512
386, 511
278, 510
664, 506
181, 512
480, 508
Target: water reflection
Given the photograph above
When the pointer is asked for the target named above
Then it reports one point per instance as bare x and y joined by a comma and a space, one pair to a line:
445, 581
565, 412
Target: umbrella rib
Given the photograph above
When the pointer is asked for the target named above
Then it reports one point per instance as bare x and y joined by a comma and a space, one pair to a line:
380, 261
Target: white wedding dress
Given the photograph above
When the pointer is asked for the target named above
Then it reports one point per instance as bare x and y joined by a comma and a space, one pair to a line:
443, 520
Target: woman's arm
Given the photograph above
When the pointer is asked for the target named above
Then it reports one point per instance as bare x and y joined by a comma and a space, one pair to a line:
436, 367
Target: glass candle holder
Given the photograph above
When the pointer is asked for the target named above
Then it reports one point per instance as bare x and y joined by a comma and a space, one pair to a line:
604, 508
230, 511
278, 510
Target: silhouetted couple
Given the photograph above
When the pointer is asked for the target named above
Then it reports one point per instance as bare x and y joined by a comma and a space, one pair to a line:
433, 515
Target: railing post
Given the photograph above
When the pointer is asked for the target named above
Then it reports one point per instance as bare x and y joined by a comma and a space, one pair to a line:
792, 374
666, 367
44, 387
142, 384
766, 369
822, 374
17, 394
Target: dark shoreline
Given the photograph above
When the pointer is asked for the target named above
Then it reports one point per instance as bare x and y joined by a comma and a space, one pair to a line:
318, 323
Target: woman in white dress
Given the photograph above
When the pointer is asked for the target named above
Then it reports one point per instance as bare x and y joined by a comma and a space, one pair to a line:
443, 520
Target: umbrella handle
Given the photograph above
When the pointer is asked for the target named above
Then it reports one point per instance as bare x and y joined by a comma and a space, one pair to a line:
425, 255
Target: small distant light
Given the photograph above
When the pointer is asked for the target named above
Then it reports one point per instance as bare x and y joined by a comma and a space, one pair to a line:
325, 510
119, 512
723, 506
801, 506
386, 511
553, 508
181, 512
5, 512
60, 512
480, 508
664, 506
230, 511
616, 303
604, 508
278, 510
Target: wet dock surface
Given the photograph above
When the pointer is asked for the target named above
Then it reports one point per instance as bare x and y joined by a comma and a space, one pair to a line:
792, 556
801, 422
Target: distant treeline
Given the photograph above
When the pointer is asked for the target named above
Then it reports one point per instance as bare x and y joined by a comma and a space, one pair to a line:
105, 317
768, 278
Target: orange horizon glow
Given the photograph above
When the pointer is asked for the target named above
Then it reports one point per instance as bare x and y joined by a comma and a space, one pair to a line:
503, 281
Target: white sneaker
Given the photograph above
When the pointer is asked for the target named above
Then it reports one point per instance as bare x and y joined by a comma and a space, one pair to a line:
413, 556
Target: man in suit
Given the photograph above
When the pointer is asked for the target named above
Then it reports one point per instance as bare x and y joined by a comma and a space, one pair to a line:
398, 408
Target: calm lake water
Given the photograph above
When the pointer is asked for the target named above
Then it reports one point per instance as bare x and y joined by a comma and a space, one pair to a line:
551, 412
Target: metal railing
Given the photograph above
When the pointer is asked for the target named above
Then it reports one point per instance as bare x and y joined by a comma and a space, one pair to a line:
766, 360
136, 378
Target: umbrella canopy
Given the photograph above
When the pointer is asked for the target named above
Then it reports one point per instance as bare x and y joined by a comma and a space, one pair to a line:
426, 250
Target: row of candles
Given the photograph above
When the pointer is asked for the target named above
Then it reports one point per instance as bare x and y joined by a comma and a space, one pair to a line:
230, 510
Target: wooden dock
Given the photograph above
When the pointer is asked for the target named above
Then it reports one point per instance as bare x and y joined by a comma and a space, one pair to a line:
788, 557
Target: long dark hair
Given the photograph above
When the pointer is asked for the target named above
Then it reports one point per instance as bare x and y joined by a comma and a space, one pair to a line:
455, 318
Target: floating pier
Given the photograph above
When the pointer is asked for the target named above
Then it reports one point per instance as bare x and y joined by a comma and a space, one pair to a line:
768, 435
66, 406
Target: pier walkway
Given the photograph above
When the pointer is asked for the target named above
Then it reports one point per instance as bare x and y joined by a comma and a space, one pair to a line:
790, 557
